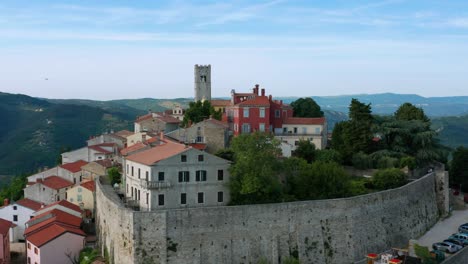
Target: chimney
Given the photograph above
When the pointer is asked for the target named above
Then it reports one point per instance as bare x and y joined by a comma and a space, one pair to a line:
6, 202
263, 91
256, 89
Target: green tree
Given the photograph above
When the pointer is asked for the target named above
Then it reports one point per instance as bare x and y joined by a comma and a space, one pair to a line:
328, 155
459, 166
14, 191
306, 107
199, 111
389, 178
254, 173
226, 154
305, 150
408, 111
114, 175
319, 180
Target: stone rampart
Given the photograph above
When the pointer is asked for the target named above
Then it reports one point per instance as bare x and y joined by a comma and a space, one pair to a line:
321, 231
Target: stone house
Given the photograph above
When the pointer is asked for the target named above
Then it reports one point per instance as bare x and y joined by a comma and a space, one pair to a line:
119, 138
174, 175
156, 123
96, 169
211, 132
5, 226
297, 128
19, 213
47, 190
91, 153
83, 196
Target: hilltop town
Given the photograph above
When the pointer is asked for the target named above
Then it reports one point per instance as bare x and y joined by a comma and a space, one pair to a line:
171, 191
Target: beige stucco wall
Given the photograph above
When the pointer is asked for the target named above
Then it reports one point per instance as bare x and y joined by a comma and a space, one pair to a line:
87, 197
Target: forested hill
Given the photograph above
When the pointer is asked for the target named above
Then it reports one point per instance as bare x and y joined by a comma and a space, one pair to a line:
33, 131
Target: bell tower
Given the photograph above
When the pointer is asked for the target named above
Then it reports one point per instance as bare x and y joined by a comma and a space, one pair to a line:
202, 82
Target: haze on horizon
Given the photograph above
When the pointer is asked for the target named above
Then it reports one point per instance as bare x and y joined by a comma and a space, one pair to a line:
107, 49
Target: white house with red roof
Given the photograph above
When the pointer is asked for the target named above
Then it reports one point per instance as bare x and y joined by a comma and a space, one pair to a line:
47, 190
54, 235
174, 175
19, 213
62, 205
90, 153
5, 227
72, 171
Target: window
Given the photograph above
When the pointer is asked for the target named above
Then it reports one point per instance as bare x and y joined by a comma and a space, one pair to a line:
277, 113
200, 175
79, 189
79, 198
285, 130
236, 127
295, 130
161, 176
66, 195
127, 187
183, 158
161, 199
262, 127
14, 207
220, 197
29, 245
200, 158
138, 195
74, 180
245, 128
29, 260
285, 113
317, 130
35, 250
184, 176
132, 192
304, 130
128, 170
132, 170
31, 216
201, 197
71, 200
81, 178
262, 112
15, 218
200, 139
147, 176
220, 175
147, 198
183, 198
246, 112
138, 173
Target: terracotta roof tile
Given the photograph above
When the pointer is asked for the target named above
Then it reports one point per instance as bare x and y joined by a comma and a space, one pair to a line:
198, 146
256, 101
169, 119
133, 148
220, 102
218, 122
74, 166
99, 149
144, 117
64, 203
56, 183
160, 152
106, 163
90, 185
5, 226
54, 216
52, 232
123, 133
304, 121
28, 203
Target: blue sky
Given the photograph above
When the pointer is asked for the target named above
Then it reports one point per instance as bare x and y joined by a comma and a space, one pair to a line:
133, 49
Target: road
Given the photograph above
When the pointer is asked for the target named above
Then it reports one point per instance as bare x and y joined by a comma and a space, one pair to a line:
444, 228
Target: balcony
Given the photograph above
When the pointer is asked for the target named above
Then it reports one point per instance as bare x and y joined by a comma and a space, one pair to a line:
150, 185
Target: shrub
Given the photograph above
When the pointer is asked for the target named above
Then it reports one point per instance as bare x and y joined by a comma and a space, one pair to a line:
387, 162
389, 178
362, 161
409, 162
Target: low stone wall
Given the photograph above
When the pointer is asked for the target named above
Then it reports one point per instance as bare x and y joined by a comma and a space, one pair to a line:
322, 231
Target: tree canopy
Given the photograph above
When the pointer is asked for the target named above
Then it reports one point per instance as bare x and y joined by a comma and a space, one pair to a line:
459, 167
306, 107
305, 150
199, 111
407, 111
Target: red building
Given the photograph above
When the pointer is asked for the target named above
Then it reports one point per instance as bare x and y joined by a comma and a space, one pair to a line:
249, 112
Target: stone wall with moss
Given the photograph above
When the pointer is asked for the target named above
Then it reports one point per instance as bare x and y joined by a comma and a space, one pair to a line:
323, 231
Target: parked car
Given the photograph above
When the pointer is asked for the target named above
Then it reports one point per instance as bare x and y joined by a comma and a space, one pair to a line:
460, 236
445, 246
463, 228
455, 241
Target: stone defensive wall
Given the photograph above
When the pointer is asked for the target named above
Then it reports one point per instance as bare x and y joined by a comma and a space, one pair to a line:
320, 231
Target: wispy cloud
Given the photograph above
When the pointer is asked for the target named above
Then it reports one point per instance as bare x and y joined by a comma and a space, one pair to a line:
458, 22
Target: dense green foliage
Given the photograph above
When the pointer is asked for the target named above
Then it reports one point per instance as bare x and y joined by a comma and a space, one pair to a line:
367, 141
88, 255
254, 177
389, 178
459, 167
306, 107
114, 175
199, 111
305, 150
34, 131
14, 190
452, 130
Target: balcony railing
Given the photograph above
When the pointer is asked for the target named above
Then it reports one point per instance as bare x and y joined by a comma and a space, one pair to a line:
155, 184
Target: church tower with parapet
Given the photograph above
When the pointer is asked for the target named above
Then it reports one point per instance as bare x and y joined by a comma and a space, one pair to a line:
202, 82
